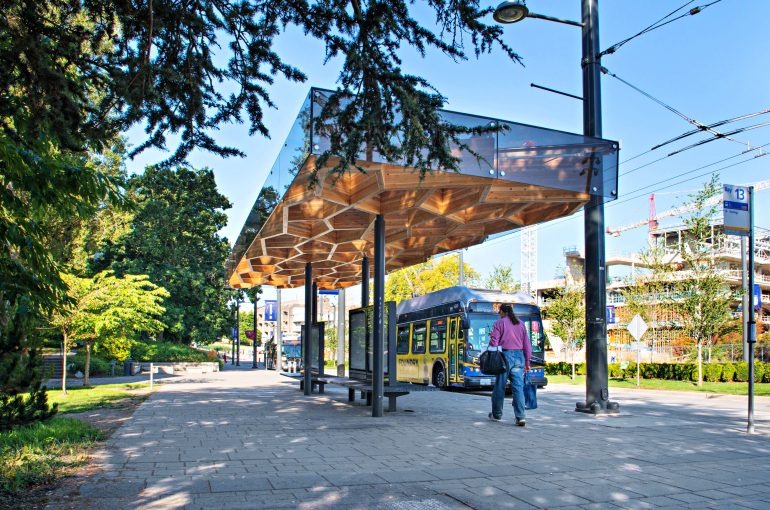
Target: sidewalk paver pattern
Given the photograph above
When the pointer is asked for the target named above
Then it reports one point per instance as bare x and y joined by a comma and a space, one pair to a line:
250, 439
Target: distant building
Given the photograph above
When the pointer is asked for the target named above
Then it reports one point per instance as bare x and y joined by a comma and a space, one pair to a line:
726, 253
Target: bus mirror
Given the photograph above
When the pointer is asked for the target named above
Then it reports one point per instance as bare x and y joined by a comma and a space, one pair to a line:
464, 323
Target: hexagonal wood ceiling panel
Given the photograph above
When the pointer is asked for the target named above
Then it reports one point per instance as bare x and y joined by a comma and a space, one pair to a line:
331, 224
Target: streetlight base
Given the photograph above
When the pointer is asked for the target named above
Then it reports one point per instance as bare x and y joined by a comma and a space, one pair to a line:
597, 408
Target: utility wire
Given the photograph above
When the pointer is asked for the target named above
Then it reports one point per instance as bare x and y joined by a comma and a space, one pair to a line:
659, 24
716, 124
699, 125
734, 132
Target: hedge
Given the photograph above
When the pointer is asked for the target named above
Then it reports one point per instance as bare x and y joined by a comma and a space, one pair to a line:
712, 372
166, 351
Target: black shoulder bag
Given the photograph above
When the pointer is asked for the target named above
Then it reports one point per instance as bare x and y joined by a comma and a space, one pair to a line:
492, 362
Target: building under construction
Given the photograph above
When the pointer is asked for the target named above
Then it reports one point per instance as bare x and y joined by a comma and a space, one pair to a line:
664, 338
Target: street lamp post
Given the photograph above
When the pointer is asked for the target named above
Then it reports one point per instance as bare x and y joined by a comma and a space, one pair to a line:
597, 392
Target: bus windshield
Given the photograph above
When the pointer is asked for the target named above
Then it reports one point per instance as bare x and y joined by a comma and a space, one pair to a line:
291, 351
481, 326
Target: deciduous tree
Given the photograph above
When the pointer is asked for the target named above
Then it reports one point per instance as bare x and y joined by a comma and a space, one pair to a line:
107, 307
705, 304
502, 278
430, 276
567, 316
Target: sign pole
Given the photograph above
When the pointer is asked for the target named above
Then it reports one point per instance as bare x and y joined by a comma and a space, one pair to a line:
752, 328
746, 300
637, 327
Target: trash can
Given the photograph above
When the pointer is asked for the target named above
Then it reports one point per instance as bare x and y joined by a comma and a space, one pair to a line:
127, 367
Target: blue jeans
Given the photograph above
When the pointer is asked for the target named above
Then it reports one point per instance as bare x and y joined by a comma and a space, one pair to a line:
515, 360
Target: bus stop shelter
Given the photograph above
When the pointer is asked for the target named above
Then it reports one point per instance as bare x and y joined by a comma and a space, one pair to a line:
343, 230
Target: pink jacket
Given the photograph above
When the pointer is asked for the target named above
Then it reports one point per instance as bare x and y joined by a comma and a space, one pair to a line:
508, 335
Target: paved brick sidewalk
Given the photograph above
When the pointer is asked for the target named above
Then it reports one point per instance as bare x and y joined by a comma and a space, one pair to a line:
251, 440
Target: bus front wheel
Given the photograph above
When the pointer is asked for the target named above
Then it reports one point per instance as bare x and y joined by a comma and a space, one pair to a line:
439, 377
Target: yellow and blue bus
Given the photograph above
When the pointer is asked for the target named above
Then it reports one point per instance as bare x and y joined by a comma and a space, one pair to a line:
441, 335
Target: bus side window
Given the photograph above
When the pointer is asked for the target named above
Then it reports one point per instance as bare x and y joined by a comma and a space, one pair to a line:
437, 336
418, 338
402, 340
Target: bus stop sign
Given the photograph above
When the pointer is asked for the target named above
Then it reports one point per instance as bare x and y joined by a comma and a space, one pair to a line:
736, 209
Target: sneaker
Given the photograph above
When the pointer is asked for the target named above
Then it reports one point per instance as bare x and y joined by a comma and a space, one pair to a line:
491, 417
520, 422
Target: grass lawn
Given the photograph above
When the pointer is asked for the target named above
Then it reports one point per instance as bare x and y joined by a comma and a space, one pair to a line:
731, 388
79, 399
40, 453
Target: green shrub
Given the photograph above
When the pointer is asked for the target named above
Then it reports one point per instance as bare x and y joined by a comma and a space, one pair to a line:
766, 373
712, 372
728, 372
741, 371
759, 371
649, 370
667, 371
99, 366
165, 351
613, 370
580, 369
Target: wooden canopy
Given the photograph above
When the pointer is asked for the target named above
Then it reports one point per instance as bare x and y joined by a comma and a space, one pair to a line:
331, 224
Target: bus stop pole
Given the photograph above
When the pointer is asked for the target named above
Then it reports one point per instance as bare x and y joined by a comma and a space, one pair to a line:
751, 323
308, 325
378, 377
341, 333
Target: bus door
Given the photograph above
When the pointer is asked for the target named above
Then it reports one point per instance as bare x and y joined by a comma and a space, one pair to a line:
455, 351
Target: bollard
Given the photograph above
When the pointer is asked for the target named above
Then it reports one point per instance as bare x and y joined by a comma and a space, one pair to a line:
151, 376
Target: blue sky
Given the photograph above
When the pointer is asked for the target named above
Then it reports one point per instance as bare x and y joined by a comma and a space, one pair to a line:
711, 66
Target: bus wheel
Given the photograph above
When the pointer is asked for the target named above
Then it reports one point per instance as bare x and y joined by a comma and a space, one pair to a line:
439, 377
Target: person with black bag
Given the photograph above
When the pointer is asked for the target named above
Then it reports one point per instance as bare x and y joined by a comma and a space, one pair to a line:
510, 335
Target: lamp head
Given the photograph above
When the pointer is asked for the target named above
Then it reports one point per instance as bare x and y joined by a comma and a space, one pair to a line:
510, 11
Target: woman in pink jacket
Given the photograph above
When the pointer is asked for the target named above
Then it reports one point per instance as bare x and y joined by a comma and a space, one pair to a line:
510, 335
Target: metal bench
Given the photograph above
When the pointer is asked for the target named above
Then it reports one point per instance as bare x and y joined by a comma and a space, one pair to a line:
353, 385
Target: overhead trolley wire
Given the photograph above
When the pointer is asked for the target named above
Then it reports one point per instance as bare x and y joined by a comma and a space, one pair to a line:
699, 125
711, 126
659, 24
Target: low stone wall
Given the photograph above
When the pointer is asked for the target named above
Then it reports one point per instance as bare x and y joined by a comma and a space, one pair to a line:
181, 367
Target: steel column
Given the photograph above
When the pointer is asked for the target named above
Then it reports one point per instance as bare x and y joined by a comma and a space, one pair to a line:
307, 327
365, 282
378, 335
341, 333
314, 313
278, 331
254, 341
597, 391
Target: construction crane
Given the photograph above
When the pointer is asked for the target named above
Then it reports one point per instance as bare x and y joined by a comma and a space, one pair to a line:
652, 220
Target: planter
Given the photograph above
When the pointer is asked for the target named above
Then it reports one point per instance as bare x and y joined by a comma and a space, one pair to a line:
181, 367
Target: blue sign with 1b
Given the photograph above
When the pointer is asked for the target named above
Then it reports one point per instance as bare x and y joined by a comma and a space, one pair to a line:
270, 310
610, 314
757, 297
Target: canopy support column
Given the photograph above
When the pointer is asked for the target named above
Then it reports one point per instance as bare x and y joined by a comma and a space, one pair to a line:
307, 328
365, 282
341, 333
378, 349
